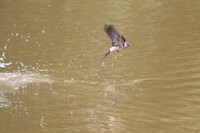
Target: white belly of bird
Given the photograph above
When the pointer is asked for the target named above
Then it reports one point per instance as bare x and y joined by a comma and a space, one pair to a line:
113, 49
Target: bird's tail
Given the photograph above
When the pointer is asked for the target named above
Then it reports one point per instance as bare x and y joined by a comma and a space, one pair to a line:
106, 54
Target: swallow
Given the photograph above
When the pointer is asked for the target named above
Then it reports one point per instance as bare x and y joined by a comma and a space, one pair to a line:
118, 41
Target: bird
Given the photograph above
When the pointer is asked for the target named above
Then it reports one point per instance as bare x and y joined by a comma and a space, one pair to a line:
118, 41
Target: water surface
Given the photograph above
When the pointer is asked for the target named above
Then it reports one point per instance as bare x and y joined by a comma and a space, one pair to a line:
53, 77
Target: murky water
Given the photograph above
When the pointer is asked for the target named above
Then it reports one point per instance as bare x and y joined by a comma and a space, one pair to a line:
53, 77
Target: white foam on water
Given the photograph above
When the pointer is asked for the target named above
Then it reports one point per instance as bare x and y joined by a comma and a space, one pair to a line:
3, 65
12, 82
21, 80
4, 102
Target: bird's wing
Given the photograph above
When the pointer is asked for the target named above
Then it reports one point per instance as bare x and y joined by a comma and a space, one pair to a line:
114, 35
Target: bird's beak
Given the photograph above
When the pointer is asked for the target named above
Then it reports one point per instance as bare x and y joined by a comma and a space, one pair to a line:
129, 44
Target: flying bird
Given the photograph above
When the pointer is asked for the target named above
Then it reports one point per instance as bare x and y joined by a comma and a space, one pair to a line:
118, 41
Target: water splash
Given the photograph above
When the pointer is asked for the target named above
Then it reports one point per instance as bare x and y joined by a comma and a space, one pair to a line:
21, 80
3, 65
12, 82
4, 102
18, 65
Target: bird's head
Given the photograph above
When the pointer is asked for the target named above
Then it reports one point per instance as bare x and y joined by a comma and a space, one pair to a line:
127, 45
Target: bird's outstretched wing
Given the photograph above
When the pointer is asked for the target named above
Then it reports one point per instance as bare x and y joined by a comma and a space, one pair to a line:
116, 38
